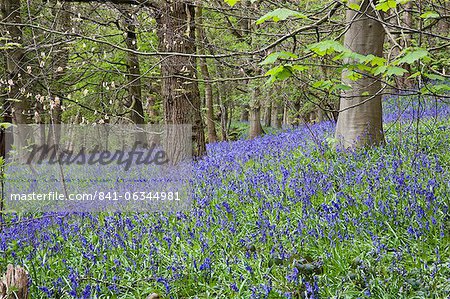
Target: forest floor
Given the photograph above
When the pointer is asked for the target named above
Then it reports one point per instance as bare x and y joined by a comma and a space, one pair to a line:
281, 216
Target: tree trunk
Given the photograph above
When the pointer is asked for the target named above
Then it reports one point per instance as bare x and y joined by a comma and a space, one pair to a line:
15, 61
134, 76
152, 110
6, 117
244, 114
275, 119
286, 119
61, 12
255, 129
223, 115
267, 114
14, 284
201, 38
255, 122
323, 102
180, 95
134, 73
361, 123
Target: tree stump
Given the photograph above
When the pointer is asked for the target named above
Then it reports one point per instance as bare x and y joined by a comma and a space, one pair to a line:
14, 284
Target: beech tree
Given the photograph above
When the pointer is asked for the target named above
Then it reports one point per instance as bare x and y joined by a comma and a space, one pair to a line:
135, 61
360, 117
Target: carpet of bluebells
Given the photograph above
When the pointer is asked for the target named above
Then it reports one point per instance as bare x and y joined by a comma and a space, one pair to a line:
282, 216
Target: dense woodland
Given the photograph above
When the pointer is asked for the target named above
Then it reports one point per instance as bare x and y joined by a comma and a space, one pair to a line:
210, 64
320, 129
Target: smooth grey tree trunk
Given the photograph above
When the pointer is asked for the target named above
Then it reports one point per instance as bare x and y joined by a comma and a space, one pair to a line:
361, 122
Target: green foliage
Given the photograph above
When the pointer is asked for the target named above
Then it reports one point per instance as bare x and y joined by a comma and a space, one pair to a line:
435, 89
273, 57
352, 213
5, 125
411, 55
283, 72
354, 6
231, 2
280, 14
385, 5
330, 85
327, 47
430, 15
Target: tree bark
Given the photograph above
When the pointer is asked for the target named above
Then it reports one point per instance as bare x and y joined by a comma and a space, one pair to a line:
267, 114
361, 123
134, 73
14, 284
6, 117
134, 76
16, 101
244, 113
255, 129
180, 94
286, 121
152, 110
255, 123
201, 38
275, 120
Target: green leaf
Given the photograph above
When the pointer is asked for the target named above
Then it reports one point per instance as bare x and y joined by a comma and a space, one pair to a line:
231, 2
353, 55
374, 60
412, 56
280, 14
435, 77
363, 67
5, 125
435, 89
271, 58
342, 87
299, 68
354, 6
354, 76
280, 72
380, 70
430, 15
395, 71
385, 5
323, 84
416, 74
327, 47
